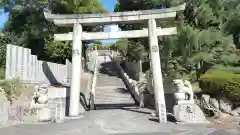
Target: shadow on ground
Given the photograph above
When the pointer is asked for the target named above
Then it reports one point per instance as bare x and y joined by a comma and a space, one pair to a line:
134, 108
122, 90
137, 110
109, 68
170, 118
113, 106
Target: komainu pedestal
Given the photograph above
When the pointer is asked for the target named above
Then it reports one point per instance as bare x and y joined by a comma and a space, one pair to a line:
189, 113
39, 102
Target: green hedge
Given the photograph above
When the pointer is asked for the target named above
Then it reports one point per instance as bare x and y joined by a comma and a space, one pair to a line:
221, 82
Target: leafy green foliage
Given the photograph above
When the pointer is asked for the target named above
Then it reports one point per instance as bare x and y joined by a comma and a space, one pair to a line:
232, 25
208, 35
122, 47
214, 82
56, 49
221, 83
28, 27
232, 90
130, 49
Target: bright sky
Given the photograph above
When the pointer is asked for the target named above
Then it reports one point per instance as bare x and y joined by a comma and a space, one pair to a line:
3, 18
109, 4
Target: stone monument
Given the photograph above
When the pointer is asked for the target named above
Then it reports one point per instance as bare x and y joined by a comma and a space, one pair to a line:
189, 114
185, 110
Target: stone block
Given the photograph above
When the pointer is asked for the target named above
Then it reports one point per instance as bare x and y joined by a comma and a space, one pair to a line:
4, 112
38, 106
53, 104
81, 109
185, 102
59, 111
236, 112
214, 103
225, 106
57, 92
205, 101
189, 114
44, 114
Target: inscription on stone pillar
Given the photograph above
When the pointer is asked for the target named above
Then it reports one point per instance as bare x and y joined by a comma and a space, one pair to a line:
154, 48
162, 113
59, 113
75, 52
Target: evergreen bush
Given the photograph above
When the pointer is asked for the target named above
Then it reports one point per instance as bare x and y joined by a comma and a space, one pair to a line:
220, 82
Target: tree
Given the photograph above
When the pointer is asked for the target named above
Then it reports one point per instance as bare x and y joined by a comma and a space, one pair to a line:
122, 47
98, 45
30, 28
232, 25
204, 39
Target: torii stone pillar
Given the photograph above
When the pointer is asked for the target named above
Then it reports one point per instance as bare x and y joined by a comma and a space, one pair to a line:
156, 71
76, 70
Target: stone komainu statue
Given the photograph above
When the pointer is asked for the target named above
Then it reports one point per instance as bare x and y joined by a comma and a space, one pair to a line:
183, 90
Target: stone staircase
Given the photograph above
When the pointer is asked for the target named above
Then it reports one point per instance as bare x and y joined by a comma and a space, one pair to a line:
110, 89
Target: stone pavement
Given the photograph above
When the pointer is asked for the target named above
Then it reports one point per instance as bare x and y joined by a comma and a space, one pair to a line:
116, 114
121, 121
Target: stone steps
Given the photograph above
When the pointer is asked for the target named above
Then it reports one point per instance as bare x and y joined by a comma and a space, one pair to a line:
116, 103
112, 99
113, 95
111, 90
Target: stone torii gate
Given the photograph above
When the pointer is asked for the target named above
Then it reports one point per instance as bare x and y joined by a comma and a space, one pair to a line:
78, 20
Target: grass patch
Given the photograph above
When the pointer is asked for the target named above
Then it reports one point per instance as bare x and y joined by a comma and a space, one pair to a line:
11, 88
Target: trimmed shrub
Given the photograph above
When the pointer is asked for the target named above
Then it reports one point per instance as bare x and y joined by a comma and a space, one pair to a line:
214, 81
221, 82
232, 90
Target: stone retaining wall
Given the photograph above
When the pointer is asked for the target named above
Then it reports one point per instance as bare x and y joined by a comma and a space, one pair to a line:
11, 114
133, 69
148, 97
127, 82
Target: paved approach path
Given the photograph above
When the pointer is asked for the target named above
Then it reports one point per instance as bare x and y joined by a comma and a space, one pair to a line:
126, 121
115, 119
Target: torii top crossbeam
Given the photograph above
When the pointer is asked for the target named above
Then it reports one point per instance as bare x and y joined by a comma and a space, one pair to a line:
135, 16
